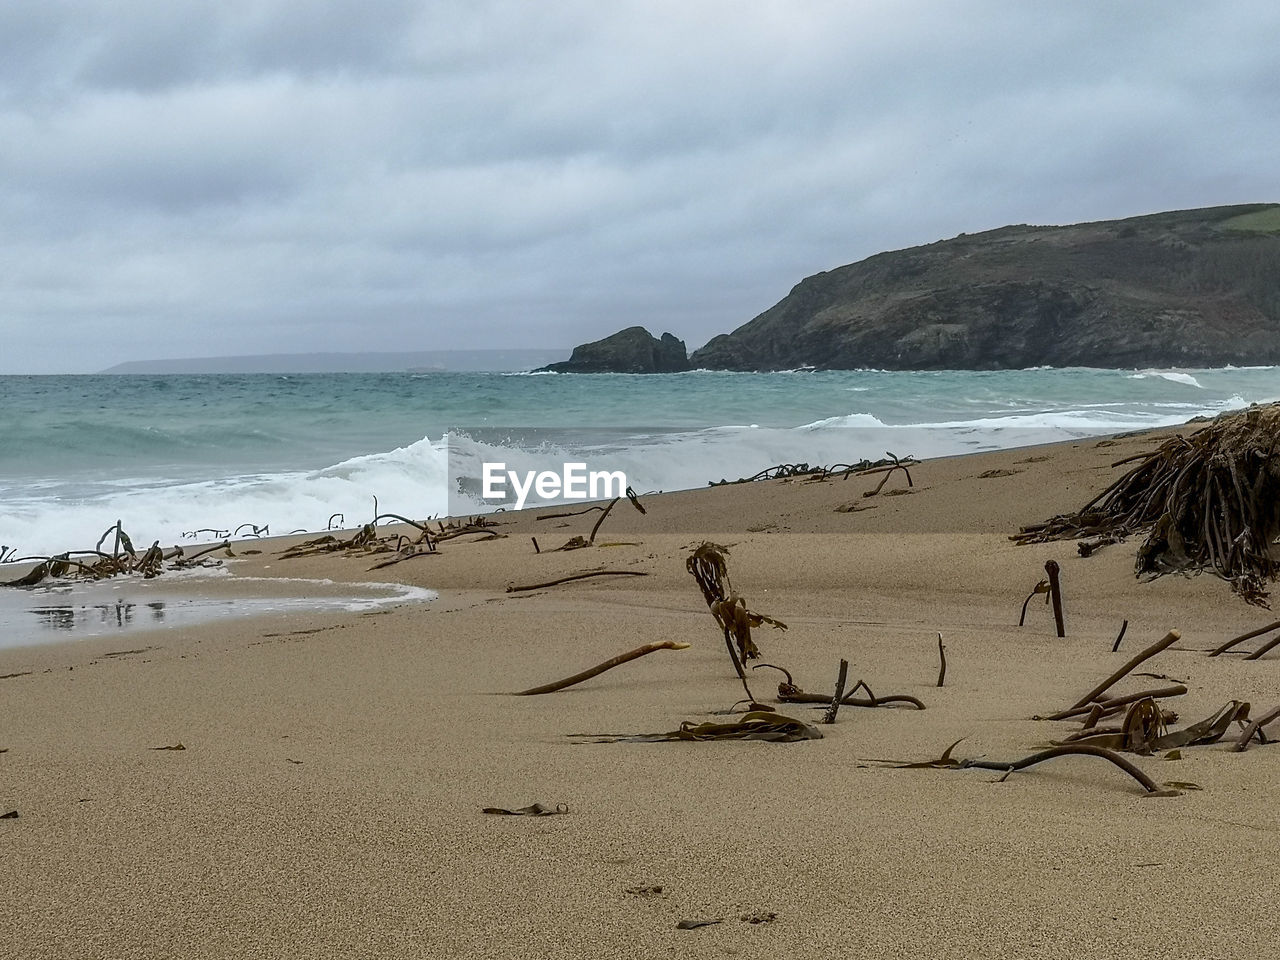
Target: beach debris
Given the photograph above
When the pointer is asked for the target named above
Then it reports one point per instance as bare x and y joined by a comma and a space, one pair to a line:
764, 725
176, 746
1055, 595
1255, 729
789, 693
898, 464
1144, 729
942, 657
407, 552
601, 668
1040, 588
837, 698
647, 890
186, 561
1120, 636
853, 506
218, 534
709, 566
1208, 501
535, 545
695, 924
532, 810
1247, 636
758, 916
1105, 708
1257, 654
578, 542
511, 588
947, 762
804, 473
1168, 640
97, 563
367, 541
11, 815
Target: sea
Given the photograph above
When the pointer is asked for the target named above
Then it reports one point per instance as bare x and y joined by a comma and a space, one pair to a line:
185, 458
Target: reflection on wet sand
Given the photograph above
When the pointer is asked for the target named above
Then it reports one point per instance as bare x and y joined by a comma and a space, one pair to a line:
119, 614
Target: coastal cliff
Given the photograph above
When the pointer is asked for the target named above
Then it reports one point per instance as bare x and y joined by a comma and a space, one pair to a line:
1187, 288
1184, 288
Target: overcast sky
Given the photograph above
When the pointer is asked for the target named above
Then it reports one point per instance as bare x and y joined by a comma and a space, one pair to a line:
186, 178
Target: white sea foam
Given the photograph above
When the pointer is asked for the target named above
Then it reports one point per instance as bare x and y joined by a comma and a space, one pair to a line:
420, 479
1173, 376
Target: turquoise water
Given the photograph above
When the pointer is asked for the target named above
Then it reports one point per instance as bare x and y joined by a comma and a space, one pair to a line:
171, 454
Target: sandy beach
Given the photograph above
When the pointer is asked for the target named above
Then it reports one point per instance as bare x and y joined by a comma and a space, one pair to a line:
328, 799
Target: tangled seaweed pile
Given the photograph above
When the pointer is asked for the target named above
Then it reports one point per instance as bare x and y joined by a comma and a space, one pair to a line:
1210, 501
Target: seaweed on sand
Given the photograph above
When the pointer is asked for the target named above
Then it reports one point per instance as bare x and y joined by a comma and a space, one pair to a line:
1208, 501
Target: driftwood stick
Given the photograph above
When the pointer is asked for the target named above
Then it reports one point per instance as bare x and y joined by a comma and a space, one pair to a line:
1109, 706
1041, 587
799, 696
601, 668
1055, 594
1246, 636
535, 545
841, 676
1274, 641
568, 513
1123, 627
942, 655
224, 545
578, 576
1169, 639
605, 513
1066, 750
774, 666
1254, 729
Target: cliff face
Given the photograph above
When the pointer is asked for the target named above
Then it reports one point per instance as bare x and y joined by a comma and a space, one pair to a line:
1188, 288
633, 350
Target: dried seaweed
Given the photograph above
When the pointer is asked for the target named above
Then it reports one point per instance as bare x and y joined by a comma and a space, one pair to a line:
1144, 729
1210, 501
946, 762
511, 588
757, 725
710, 568
532, 810
601, 668
805, 473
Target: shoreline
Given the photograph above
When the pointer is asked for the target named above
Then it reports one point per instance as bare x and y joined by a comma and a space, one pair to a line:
327, 801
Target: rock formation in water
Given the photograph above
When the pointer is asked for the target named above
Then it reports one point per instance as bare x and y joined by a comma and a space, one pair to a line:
633, 350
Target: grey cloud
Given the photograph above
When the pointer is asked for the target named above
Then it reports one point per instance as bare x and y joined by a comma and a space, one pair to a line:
205, 178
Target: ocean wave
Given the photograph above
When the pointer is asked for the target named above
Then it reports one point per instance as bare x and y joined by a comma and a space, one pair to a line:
1173, 376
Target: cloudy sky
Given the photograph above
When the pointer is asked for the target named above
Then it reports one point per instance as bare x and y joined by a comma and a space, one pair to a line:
187, 178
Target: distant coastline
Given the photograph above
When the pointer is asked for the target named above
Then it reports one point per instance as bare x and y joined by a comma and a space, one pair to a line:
421, 361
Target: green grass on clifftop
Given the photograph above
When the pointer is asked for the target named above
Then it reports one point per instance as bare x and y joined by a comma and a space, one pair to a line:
1260, 221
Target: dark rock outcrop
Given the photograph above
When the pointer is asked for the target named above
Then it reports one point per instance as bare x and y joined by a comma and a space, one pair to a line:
633, 350
1187, 288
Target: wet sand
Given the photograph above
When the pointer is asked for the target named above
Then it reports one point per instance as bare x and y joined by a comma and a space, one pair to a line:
328, 799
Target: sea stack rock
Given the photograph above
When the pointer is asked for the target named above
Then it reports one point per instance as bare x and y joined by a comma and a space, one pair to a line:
633, 350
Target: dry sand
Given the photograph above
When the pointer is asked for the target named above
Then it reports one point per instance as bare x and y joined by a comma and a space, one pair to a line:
328, 802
